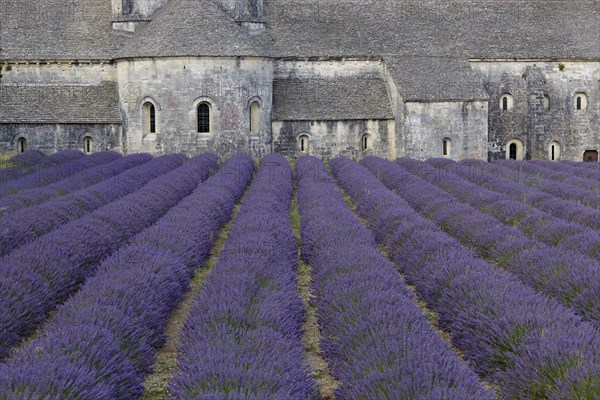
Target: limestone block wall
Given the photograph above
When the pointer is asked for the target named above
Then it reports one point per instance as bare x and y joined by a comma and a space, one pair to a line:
51, 138
65, 72
335, 138
135, 9
177, 85
427, 124
528, 121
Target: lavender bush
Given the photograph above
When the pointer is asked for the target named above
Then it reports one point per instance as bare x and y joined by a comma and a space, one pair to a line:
589, 171
378, 343
34, 160
78, 181
45, 272
494, 177
103, 339
45, 176
536, 224
560, 184
565, 275
530, 346
242, 335
25, 225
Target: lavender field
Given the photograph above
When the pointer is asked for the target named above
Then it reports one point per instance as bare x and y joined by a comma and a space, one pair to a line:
173, 277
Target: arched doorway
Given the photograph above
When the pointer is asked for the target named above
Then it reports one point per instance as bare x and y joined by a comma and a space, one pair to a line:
590, 156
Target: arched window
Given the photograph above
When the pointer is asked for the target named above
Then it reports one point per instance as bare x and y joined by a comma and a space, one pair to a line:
506, 102
149, 120
446, 145
255, 117
546, 102
514, 150
88, 144
580, 102
203, 118
554, 150
365, 142
21, 145
303, 144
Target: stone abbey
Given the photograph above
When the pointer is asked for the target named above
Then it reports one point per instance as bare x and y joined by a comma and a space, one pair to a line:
434, 78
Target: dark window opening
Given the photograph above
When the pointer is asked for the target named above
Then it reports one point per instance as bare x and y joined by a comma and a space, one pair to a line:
513, 151
505, 103
87, 145
590, 156
365, 144
21, 145
552, 152
203, 118
578, 102
152, 119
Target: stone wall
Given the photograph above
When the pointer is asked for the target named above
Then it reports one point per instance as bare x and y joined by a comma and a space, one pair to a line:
328, 139
51, 138
177, 85
426, 125
527, 82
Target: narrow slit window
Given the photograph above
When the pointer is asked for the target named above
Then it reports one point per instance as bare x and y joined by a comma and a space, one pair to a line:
152, 119
505, 103
446, 147
254, 117
21, 145
303, 144
87, 144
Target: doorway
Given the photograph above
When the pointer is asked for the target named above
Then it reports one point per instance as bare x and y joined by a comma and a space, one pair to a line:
590, 156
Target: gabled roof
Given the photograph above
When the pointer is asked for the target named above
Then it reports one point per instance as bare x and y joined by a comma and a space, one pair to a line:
57, 29
330, 99
191, 28
435, 79
64, 103
465, 29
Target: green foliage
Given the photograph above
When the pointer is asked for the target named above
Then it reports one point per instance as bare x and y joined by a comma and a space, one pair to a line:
561, 67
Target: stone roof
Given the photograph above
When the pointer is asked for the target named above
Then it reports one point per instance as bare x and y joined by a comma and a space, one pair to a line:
435, 79
192, 28
57, 29
436, 28
330, 99
69, 104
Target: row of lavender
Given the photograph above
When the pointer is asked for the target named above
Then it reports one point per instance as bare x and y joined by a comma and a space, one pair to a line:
562, 273
536, 224
103, 340
45, 176
589, 171
242, 338
32, 161
75, 182
44, 272
569, 184
501, 179
376, 340
529, 345
25, 225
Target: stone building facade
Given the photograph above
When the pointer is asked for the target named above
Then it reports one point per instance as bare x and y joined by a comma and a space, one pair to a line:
484, 80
